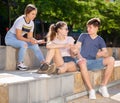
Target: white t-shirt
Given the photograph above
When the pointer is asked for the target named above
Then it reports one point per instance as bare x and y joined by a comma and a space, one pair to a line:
64, 51
21, 24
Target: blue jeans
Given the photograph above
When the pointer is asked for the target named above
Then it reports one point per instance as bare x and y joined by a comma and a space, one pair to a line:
11, 40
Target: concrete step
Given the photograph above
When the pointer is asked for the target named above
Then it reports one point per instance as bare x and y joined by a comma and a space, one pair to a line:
30, 87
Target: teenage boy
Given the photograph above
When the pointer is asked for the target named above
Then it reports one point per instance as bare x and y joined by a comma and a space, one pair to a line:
93, 49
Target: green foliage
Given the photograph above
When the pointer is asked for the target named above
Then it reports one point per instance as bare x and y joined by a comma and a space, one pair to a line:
75, 12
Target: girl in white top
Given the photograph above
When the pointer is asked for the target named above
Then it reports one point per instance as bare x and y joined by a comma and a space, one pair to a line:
15, 36
58, 45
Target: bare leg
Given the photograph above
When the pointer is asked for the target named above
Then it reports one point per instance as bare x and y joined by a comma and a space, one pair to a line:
109, 62
58, 60
85, 74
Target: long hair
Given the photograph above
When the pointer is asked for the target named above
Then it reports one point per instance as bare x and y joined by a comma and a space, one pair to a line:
53, 29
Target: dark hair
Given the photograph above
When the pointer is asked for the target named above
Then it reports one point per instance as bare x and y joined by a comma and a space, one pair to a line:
53, 30
29, 8
94, 21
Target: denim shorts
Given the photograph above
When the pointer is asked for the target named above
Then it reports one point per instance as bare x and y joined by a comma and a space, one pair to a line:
68, 59
96, 64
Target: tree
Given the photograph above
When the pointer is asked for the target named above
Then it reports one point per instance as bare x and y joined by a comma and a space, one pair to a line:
76, 13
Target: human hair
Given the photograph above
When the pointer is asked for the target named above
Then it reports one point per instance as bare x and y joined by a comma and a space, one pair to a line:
29, 8
53, 29
94, 21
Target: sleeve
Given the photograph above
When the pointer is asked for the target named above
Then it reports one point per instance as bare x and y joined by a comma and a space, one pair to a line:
18, 24
71, 40
102, 43
81, 37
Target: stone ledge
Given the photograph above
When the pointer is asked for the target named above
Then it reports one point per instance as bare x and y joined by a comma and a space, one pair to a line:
31, 87
8, 58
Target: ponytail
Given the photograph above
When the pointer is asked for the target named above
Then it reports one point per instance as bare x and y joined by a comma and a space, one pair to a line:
51, 33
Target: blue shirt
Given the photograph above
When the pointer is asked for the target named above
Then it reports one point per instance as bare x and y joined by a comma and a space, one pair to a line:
90, 47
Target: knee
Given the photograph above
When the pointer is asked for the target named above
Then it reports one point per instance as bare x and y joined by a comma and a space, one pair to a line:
23, 45
111, 60
82, 64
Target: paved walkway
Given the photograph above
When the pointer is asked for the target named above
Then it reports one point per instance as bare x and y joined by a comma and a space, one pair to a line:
113, 91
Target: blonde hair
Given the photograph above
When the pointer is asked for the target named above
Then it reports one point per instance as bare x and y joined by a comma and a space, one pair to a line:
53, 30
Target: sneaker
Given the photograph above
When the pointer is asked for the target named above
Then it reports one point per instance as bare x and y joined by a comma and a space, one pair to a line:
103, 91
22, 67
52, 69
92, 94
46, 69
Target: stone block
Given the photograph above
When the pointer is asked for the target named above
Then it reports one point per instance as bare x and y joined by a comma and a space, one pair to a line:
11, 58
78, 83
96, 77
38, 92
19, 93
2, 57
9, 55
57, 100
110, 50
117, 73
67, 84
54, 87
4, 96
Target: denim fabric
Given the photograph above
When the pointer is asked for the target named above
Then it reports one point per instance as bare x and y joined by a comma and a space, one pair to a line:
11, 40
68, 59
95, 64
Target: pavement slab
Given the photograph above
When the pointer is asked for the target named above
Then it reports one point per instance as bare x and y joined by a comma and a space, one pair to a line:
112, 90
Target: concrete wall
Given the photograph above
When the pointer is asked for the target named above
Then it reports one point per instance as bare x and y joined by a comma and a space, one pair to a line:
8, 58
30, 87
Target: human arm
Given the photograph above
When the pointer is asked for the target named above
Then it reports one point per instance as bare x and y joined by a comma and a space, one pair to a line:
75, 50
28, 39
102, 53
52, 45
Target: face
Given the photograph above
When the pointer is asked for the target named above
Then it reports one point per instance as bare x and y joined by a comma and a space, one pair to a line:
32, 15
92, 29
63, 30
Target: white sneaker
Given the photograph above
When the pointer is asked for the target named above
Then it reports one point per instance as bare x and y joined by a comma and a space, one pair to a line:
103, 91
22, 67
92, 94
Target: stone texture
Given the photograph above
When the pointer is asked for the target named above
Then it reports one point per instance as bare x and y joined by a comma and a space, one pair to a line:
4, 96
96, 77
78, 83
2, 57
8, 58
29, 87
117, 73
57, 100
67, 84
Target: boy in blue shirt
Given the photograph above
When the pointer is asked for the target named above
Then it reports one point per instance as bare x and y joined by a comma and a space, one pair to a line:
95, 56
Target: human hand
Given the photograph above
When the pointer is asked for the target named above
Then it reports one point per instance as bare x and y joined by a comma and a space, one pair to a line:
74, 51
33, 41
41, 41
99, 54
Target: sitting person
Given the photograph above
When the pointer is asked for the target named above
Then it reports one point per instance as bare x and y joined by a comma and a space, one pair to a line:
93, 49
15, 36
58, 45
